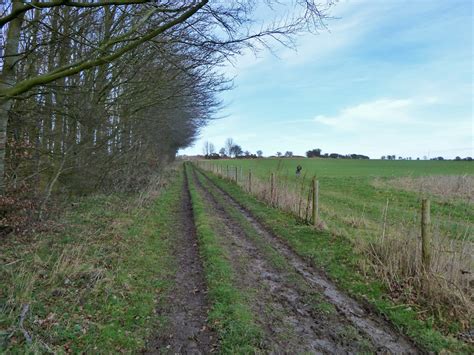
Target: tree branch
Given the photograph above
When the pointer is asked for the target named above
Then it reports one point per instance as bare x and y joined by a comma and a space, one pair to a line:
81, 65
45, 5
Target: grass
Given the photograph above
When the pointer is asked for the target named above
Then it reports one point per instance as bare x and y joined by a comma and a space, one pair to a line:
354, 168
335, 254
229, 315
92, 285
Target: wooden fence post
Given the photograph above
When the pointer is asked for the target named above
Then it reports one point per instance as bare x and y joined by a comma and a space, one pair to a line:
317, 198
236, 174
315, 184
227, 171
272, 187
425, 234
250, 181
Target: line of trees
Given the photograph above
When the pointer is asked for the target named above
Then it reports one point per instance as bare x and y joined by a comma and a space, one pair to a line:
317, 153
393, 157
229, 150
465, 159
98, 95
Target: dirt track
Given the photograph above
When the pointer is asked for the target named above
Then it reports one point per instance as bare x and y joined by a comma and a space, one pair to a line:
187, 332
299, 310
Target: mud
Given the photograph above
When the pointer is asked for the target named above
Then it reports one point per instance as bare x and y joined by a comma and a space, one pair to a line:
291, 323
187, 307
320, 335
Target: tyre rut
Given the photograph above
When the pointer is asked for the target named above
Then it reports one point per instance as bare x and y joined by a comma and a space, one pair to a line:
187, 307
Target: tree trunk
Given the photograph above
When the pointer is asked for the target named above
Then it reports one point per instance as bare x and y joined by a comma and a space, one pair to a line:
7, 80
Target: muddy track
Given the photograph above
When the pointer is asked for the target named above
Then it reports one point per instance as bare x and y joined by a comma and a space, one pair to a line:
382, 335
187, 305
281, 302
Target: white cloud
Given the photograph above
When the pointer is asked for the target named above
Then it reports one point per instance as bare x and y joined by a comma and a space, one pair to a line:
382, 111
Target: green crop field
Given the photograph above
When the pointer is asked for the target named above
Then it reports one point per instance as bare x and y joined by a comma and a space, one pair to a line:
356, 168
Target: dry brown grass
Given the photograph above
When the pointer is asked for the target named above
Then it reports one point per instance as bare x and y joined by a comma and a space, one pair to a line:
155, 185
284, 195
445, 186
449, 283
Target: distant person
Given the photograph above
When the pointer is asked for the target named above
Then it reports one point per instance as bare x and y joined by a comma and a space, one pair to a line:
298, 170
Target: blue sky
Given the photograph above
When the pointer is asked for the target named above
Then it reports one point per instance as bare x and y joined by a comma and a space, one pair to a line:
387, 77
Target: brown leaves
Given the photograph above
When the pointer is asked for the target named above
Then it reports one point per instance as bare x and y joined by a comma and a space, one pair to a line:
47, 322
17, 214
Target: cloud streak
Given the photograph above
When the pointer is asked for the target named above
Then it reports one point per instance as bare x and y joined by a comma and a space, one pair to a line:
385, 111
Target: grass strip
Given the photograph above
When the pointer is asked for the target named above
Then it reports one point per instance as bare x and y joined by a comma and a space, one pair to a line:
229, 315
91, 286
335, 255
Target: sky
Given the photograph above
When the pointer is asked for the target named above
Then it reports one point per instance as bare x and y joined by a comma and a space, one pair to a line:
387, 77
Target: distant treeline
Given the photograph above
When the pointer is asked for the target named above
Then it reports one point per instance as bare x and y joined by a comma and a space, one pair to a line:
393, 157
233, 150
224, 156
316, 153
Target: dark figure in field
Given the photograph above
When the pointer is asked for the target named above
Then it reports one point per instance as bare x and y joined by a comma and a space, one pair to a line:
298, 170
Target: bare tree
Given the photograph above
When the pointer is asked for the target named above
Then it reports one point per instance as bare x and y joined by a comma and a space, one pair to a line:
229, 144
212, 149
206, 148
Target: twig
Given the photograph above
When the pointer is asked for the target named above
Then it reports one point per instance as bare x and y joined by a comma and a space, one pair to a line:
24, 311
51, 184
13, 262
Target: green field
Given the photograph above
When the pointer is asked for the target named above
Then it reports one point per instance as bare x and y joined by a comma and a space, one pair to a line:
357, 191
355, 168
